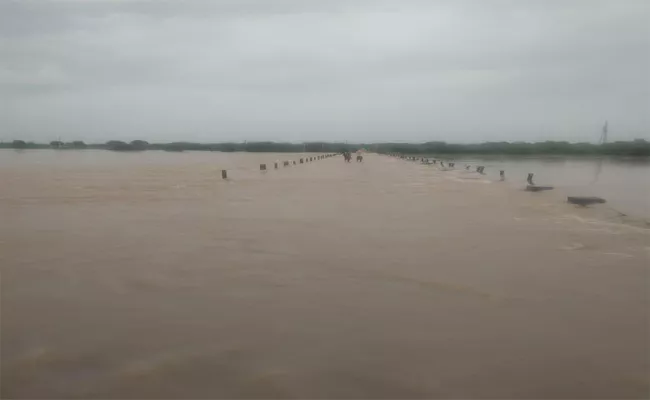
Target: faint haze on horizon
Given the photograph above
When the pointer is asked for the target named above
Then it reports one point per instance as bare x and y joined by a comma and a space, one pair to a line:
458, 71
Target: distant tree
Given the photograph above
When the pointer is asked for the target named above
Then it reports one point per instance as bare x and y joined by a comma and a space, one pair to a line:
19, 144
78, 144
118, 145
139, 145
56, 144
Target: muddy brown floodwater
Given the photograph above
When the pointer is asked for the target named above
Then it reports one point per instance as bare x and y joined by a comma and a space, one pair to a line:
147, 276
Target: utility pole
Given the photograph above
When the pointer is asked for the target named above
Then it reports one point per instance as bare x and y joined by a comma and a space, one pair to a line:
603, 135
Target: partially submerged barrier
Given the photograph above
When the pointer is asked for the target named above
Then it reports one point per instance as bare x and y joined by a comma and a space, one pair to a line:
479, 169
585, 200
276, 164
530, 187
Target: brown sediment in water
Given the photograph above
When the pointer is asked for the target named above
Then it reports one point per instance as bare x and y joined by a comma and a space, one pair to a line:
148, 275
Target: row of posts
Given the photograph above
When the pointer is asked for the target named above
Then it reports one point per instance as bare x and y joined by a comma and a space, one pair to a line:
480, 168
276, 165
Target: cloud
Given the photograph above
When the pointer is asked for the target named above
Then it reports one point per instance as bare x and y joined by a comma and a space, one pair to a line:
301, 70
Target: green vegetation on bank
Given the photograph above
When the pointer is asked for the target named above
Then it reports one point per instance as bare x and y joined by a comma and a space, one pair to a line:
637, 147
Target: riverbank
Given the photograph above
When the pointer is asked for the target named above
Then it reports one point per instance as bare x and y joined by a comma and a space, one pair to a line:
156, 278
633, 148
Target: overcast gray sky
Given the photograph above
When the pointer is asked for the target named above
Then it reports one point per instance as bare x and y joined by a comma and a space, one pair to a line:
357, 70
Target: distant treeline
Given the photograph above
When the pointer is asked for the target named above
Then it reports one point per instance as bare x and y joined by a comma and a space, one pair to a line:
141, 145
637, 147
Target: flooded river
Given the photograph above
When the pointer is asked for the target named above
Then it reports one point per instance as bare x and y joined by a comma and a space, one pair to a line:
145, 275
